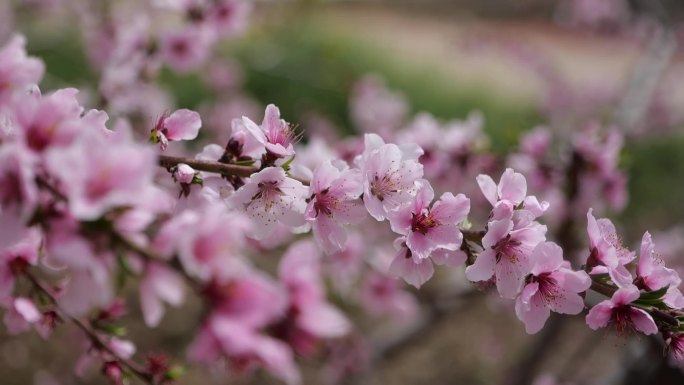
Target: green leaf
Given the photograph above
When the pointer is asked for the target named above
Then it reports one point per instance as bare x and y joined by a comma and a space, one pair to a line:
653, 295
175, 372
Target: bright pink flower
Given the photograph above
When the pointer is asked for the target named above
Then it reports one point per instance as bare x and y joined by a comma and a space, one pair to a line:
333, 202
17, 70
300, 272
416, 271
551, 286
159, 284
430, 227
183, 124
274, 133
675, 344
621, 314
270, 197
186, 49
507, 245
389, 176
120, 177
607, 253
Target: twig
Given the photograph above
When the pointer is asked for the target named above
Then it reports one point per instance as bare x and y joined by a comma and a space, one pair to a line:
87, 329
208, 166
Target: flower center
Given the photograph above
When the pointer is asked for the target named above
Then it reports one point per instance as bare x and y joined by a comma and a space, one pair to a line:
508, 247
382, 187
422, 223
325, 203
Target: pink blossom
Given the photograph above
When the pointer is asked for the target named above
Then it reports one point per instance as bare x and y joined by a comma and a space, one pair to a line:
651, 272
270, 197
300, 272
334, 201
512, 188
120, 176
229, 16
382, 295
274, 133
17, 70
675, 344
374, 108
416, 271
607, 253
427, 226
23, 251
183, 124
621, 314
160, 284
186, 49
551, 286
184, 173
17, 180
389, 176
507, 245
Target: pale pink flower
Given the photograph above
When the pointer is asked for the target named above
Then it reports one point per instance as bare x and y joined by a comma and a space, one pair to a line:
120, 176
182, 124
229, 16
507, 245
270, 197
512, 188
374, 108
416, 271
18, 71
334, 201
186, 49
389, 177
17, 180
160, 284
184, 173
618, 312
427, 226
551, 286
382, 295
652, 275
300, 272
23, 251
607, 253
274, 133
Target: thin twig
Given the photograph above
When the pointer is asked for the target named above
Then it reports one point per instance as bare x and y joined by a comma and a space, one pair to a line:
88, 330
208, 166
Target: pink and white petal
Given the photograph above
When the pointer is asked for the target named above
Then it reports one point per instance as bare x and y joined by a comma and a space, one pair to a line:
400, 218
420, 245
323, 177
483, 268
374, 206
350, 212
566, 302
599, 315
271, 120
643, 321
625, 295
646, 254
496, 230
512, 187
509, 278
330, 236
183, 124
414, 273
451, 209
621, 276
533, 315
488, 188
574, 281
545, 258
446, 236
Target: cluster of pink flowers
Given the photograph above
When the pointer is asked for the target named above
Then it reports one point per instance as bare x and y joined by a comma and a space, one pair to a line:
84, 201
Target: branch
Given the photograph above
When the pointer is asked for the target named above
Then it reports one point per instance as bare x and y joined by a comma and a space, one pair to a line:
208, 166
88, 330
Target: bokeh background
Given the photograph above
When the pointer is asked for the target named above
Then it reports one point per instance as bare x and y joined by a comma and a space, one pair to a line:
521, 64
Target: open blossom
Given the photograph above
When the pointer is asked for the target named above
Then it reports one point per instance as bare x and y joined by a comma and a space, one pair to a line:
186, 49
389, 177
415, 270
607, 253
430, 227
275, 134
507, 245
121, 176
551, 286
183, 124
653, 275
17, 70
512, 188
334, 201
618, 312
270, 197
310, 316
160, 284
